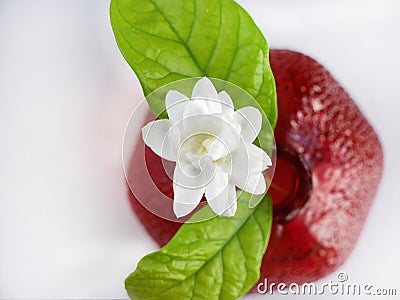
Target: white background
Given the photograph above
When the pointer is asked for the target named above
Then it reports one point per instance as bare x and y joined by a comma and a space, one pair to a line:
66, 226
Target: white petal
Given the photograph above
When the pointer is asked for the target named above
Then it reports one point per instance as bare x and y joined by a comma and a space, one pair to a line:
258, 158
226, 103
187, 196
250, 120
174, 137
218, 150
186, 200
188, 176
214, 105
225, 164
155, 136
195, 107
232, 202
217, 185
175, 103
229, 135
222, 202
254, 184
248, 159
201, 124
205, 89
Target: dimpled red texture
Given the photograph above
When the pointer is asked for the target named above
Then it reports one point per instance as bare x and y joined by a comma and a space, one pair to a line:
318, 119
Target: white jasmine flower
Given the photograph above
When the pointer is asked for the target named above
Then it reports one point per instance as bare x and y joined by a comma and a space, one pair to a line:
212, 147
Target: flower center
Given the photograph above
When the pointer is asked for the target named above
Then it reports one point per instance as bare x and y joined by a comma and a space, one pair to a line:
195, 147
207, 143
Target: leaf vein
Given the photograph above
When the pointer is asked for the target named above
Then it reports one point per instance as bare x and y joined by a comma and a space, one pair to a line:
236, 49
217, 39
244, 255
212, 257
192, 25
141, 30
178, 36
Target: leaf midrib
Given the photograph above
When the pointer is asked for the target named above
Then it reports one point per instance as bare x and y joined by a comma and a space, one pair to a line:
234, 234
178, 36
181, 41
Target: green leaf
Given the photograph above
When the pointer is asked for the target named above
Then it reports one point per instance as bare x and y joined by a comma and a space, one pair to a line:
216, 259
164, 41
